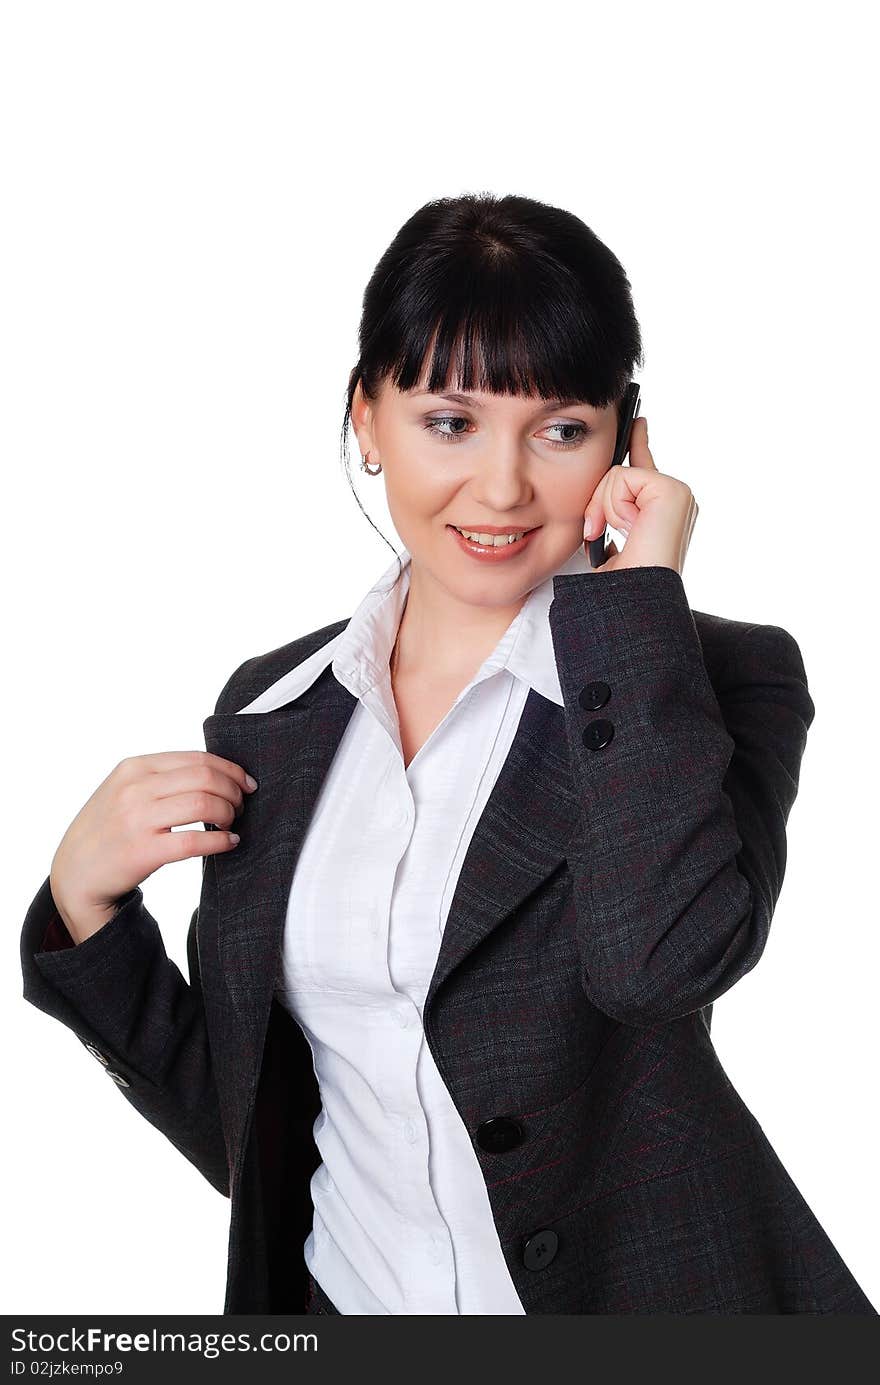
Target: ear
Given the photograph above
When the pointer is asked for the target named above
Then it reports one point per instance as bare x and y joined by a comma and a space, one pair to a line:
362, 419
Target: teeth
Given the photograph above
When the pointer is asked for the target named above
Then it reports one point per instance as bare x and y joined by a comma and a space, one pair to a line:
491, 540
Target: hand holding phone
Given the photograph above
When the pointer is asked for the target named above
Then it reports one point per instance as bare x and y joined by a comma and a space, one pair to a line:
631, 403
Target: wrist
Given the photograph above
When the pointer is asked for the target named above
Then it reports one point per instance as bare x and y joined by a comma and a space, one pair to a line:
82, 921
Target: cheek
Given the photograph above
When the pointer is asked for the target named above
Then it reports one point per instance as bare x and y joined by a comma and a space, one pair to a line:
420, 485
568, 496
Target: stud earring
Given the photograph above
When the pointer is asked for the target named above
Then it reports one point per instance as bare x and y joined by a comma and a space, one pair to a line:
365, 466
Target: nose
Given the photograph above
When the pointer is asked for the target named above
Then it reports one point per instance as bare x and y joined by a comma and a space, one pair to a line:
501, 480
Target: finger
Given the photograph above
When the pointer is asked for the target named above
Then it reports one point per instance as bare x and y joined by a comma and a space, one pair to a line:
183, 808
594, 514
199, 776
639, 451
178, 846
612, 503
164, 760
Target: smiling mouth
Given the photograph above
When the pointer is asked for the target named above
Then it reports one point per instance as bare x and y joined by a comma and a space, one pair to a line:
492, 531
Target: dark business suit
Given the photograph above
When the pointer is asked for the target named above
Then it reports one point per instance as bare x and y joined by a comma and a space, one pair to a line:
622, 876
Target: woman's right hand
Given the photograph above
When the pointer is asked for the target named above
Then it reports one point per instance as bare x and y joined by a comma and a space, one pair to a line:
123, 833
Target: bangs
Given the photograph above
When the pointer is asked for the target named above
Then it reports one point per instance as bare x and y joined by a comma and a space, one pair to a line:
504, 331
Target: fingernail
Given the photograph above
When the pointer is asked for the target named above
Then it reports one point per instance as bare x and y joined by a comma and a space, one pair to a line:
250, 781
588, 527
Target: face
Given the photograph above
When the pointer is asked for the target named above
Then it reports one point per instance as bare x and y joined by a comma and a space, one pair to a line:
481, 460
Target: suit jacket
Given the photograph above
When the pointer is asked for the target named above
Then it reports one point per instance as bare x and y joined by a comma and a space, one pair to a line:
623, 875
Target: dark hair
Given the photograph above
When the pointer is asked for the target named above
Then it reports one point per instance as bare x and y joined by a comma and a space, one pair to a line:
523, 296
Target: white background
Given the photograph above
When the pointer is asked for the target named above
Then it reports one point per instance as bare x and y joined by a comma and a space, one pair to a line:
195, 196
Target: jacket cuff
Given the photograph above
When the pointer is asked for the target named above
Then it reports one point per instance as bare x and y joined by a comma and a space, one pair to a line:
115, 944
638, 618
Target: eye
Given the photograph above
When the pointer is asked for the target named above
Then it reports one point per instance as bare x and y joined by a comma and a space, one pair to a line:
436, 424
431, 424
581, 432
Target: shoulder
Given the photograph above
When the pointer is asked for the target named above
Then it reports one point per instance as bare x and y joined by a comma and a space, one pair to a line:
719, 637
262, 670
732, 648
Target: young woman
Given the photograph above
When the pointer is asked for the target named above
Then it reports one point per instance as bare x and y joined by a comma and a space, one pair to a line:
518, 822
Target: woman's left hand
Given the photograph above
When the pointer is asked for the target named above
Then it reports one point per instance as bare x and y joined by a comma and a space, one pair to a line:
656, 512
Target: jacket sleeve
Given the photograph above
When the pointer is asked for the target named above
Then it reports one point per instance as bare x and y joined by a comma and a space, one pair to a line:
129, 1004
685, 788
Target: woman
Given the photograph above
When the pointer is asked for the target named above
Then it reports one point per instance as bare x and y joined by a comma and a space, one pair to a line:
517, 823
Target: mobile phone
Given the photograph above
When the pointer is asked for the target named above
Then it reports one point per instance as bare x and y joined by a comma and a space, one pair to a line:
631, 403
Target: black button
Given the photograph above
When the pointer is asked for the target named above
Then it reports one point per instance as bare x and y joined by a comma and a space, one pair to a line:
593, 696
500, 1134
540, 1249
598, 733
120, 1081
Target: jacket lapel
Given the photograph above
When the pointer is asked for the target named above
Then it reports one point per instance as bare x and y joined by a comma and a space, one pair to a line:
288, 751
521, 838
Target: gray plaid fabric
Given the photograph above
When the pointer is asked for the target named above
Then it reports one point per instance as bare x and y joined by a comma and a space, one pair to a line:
623, 876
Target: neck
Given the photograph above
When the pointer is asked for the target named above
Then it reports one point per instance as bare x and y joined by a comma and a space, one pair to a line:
442, 637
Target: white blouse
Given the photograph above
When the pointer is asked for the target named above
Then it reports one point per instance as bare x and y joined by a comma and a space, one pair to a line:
402, 1221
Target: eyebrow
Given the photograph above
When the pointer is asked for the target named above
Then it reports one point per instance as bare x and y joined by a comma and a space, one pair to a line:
470, 399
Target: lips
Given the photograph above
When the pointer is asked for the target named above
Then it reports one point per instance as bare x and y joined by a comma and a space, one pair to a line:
495, 529
492, 553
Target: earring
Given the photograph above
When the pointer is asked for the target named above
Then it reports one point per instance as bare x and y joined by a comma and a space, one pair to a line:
366, 467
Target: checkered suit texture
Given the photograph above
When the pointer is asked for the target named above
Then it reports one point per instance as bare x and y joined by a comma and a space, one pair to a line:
610, 894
